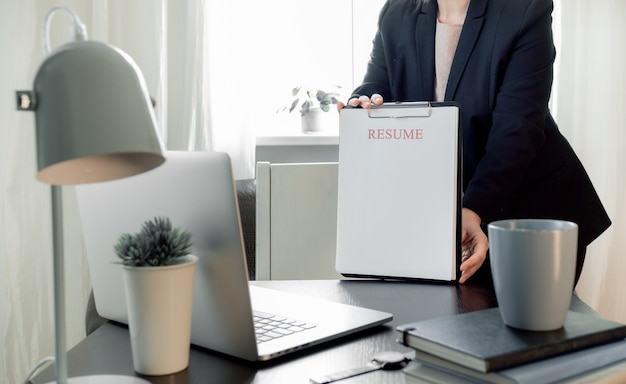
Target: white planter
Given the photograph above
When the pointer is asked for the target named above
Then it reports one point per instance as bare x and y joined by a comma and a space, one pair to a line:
316, 120
159, 301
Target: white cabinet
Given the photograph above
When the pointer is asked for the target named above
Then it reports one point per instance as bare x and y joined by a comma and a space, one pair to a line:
296, 222
297, 147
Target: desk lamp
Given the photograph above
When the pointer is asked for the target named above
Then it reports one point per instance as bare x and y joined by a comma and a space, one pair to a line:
94, 122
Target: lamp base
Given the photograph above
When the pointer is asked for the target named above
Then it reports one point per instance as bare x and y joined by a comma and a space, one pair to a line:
105, 379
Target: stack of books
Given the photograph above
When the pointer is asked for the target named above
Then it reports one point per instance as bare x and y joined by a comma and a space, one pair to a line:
478, 347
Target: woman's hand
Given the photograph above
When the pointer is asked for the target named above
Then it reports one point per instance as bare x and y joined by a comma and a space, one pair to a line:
474, 244
363, 101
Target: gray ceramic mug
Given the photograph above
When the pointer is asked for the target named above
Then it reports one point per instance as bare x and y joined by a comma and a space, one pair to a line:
533, 265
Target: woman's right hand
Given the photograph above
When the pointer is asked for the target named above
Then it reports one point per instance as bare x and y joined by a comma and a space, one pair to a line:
364, 102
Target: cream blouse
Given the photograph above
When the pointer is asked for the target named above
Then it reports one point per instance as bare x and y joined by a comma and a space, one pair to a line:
446, 40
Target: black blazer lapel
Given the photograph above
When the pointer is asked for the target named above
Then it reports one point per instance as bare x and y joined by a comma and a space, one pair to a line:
471, 29
425, 38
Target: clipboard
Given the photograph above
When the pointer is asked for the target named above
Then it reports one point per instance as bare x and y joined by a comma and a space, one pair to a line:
399, 192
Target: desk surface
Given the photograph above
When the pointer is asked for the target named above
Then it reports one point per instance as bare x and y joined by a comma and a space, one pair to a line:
107, 350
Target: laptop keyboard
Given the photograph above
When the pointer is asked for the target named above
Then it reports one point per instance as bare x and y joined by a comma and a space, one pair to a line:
269, 327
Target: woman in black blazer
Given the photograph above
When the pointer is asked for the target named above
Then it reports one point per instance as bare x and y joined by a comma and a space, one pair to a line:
516, 163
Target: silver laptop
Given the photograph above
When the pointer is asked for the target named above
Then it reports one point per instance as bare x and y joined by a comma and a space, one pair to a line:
196, 191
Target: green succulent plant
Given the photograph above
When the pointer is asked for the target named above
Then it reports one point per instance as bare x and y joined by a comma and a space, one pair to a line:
304, 99
156, 244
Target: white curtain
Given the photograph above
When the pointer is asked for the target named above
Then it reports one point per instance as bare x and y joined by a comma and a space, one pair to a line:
169, 42
214, 77
591, 111
25, 230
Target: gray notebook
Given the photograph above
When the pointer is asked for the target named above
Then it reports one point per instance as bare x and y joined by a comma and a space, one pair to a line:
196, 191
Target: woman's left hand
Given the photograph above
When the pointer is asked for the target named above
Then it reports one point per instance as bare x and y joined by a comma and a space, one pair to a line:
364, 102
474, 244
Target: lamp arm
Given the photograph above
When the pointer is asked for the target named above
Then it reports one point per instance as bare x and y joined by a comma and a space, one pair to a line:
59, 285
80, 31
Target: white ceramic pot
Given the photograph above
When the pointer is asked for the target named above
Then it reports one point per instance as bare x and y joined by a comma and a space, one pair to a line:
316, 120
159, 301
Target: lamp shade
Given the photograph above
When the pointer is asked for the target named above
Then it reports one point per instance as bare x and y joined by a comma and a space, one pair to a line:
95, 121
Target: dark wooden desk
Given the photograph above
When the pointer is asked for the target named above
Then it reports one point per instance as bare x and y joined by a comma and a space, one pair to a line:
107, 350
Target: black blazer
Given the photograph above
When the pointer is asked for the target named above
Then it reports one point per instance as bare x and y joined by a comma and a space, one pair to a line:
516, 163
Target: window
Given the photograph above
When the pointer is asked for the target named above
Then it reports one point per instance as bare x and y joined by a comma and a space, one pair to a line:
261, 50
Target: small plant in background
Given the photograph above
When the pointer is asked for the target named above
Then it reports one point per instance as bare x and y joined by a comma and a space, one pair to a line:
156, 244
304, 99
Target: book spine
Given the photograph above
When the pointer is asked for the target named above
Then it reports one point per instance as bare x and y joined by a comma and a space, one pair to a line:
567, 346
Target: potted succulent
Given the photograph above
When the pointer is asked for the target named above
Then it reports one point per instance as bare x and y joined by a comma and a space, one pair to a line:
313, 104
158, 276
